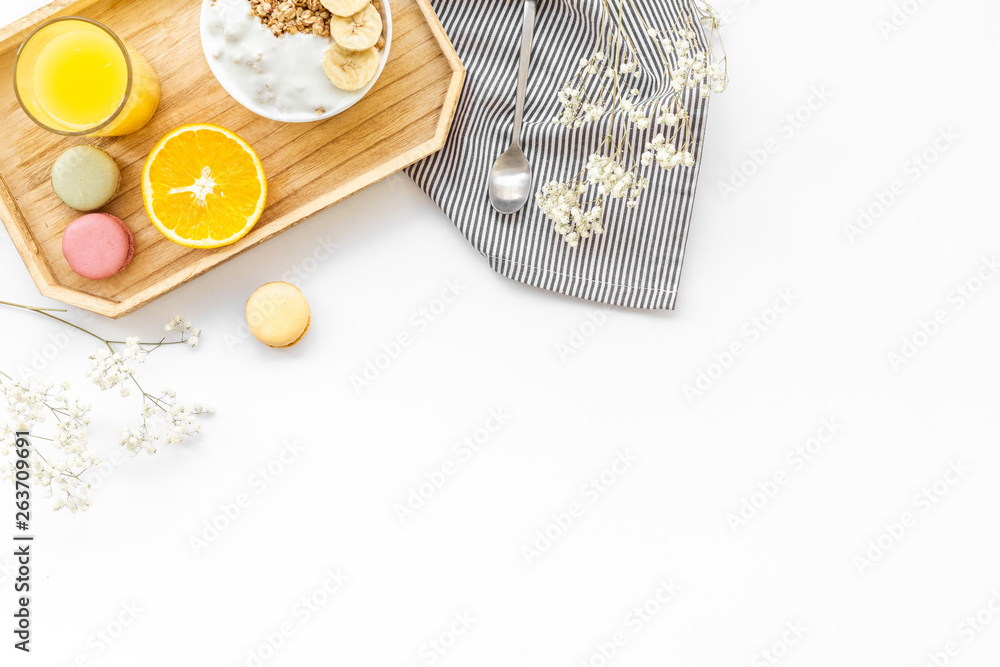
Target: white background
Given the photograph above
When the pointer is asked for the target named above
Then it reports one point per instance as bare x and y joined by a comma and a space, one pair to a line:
567, 415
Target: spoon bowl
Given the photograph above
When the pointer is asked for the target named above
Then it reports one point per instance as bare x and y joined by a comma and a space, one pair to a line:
510, 181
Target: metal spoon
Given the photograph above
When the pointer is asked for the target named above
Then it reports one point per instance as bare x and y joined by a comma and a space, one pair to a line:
510, 181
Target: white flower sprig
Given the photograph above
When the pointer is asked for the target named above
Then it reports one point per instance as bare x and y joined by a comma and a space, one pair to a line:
28, 405
111, 369
602, 88
59, 474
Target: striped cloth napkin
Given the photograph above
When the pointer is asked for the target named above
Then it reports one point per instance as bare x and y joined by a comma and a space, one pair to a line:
637, 261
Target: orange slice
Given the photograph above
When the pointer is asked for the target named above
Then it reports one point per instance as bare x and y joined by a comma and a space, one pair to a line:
203, 186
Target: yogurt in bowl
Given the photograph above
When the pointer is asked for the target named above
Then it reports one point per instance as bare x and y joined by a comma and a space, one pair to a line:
277, 77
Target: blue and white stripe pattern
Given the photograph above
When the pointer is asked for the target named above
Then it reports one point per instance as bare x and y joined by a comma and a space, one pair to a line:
637, 261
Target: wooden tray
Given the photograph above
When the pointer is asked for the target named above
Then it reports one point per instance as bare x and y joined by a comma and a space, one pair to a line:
310, 167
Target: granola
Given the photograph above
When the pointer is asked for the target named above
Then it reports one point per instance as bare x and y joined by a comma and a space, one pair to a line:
292, 16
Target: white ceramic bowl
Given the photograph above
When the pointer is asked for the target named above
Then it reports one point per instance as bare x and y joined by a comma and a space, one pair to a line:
253, 65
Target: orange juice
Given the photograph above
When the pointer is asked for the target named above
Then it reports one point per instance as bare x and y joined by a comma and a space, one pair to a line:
74, 76
81, 77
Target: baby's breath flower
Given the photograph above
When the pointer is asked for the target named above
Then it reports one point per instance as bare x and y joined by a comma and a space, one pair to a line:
61, 471
614, 170
29, 405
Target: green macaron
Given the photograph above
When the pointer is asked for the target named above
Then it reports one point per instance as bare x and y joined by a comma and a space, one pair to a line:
85, 178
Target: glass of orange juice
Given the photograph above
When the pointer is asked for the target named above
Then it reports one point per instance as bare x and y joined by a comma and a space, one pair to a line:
74, 76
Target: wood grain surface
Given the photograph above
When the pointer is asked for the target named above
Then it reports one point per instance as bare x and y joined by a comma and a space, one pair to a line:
309, 167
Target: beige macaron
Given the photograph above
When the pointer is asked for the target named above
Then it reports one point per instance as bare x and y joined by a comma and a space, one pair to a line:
278, 314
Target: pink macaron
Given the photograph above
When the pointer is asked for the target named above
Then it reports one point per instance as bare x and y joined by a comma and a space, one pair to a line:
98, 246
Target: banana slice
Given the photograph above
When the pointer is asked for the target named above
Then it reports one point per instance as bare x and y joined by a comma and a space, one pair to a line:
344, 7
350, 70
358, 32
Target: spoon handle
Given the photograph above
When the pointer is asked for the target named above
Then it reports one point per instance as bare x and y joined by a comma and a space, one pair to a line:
522, 74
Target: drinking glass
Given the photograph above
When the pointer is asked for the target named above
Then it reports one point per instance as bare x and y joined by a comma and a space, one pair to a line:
74, 76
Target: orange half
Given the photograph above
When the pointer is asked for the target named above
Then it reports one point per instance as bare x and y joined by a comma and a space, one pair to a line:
203, 186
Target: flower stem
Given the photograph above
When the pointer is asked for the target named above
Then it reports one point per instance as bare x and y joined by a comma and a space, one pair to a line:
46, 312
